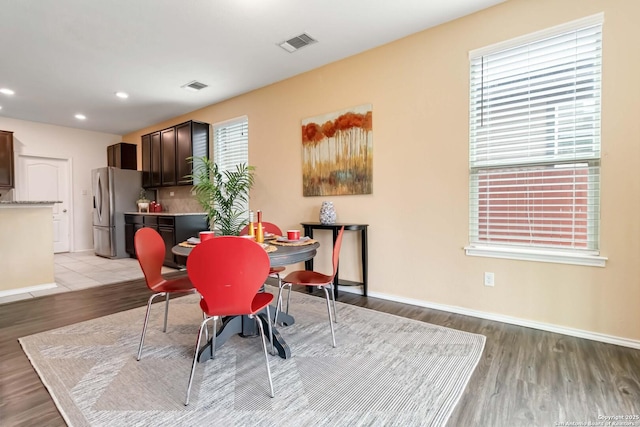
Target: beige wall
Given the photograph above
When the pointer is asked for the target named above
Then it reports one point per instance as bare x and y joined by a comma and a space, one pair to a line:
418, 212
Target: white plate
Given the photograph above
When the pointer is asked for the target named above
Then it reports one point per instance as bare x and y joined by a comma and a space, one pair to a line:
193, 240
285, 240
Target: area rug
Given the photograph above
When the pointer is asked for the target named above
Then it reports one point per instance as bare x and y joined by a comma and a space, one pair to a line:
386, 370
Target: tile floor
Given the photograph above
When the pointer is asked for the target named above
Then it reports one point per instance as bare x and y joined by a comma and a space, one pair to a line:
80, 270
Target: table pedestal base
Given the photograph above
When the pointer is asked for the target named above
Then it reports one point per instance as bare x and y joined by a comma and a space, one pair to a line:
246, 327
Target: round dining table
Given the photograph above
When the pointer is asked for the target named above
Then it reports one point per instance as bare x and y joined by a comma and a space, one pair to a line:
242, 325
282, 256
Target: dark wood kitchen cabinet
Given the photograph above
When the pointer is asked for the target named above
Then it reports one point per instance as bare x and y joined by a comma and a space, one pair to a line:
151, 160
146, 161
167, 230
123, 156
166, 153
192, 140
6, 159
155, 160
168, 156
174, 228
132, 223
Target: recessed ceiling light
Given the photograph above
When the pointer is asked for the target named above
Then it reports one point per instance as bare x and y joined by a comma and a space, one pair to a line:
123, 95
80, 116
0, 107
7, 91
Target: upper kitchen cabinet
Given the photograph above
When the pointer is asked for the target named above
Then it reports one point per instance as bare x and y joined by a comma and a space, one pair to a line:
192, 140
151, 160
166, 153
168, 157
146, 160
6, 159
123, 156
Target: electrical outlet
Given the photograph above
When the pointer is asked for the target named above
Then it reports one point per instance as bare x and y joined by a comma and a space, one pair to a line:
171, 193
489, 279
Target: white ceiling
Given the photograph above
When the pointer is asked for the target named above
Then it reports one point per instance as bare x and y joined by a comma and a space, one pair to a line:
65, 57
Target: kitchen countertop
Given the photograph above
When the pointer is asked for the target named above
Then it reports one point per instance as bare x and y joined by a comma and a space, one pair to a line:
29, 202
165, 213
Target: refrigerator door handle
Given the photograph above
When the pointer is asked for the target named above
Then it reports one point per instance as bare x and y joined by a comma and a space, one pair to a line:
97, 199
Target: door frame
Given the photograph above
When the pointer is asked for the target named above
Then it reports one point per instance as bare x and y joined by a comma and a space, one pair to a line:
68, 165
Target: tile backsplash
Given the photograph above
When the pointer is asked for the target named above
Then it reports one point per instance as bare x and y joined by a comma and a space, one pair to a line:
182, 200
6, 195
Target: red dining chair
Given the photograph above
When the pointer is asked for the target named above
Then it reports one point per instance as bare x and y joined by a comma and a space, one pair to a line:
319, 280
150, 251
228, 272
274, 272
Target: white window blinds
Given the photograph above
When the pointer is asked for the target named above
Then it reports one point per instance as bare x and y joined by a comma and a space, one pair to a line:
534, 153
231, 144
231, 148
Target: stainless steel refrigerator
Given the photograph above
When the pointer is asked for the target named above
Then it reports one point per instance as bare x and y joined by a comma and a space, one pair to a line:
115, 191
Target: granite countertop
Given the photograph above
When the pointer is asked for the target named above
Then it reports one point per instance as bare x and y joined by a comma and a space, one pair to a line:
165, 213
29, 202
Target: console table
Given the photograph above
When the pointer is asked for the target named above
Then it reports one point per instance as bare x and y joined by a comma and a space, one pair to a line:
335, 228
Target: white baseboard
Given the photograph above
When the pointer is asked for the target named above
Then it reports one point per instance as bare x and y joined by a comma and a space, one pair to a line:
27, 289
579, 333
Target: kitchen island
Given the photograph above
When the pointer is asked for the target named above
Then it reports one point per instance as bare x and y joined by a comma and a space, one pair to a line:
26, 246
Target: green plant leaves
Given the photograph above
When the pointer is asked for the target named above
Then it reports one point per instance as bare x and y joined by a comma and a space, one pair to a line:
224, 195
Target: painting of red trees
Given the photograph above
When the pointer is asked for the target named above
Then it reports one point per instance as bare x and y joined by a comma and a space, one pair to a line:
337, 153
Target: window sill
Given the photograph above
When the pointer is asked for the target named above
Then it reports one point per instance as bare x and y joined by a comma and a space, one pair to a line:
523, 254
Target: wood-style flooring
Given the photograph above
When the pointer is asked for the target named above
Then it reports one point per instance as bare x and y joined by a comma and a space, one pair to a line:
525, 377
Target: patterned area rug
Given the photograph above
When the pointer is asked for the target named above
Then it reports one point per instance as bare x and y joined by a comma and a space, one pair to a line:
385, 371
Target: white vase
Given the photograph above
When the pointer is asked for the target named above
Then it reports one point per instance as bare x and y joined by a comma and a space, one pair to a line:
327, 213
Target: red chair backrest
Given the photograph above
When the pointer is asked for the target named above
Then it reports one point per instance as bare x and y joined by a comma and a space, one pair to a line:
228, 271
269, 227
336, 251
150, 251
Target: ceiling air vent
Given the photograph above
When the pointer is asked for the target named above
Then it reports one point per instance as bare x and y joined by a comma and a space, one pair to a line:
297, 42
194, 86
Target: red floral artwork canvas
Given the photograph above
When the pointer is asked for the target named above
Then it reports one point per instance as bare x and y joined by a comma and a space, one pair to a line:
337, 153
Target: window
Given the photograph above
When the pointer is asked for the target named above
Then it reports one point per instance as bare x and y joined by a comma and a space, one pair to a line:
231, 143
534, 151
231, 146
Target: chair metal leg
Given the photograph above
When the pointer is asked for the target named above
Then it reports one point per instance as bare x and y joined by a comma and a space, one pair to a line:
195, 357
214, 332
333, 298
206, 330
270, 330
166, 313
146, 321
264, 347
278, 304
288, 298
279, 300
326, 293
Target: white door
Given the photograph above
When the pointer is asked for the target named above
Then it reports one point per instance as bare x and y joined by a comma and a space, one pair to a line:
43, 178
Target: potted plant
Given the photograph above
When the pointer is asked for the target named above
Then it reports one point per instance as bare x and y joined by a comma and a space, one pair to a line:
143, 202
224, 196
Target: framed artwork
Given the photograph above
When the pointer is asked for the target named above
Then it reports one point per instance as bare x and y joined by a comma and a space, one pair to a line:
337, 153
